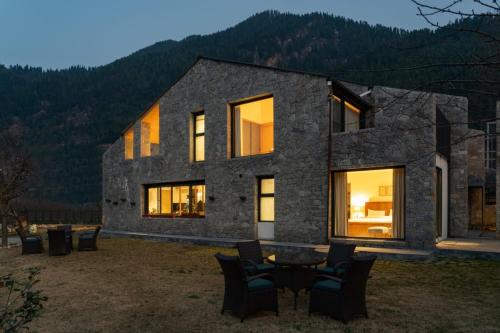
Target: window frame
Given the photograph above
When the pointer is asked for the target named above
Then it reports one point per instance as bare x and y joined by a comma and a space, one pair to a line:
141, 133
332, 203
195, 135
158, 186
265, 195
342, 100
130, 132
232, 105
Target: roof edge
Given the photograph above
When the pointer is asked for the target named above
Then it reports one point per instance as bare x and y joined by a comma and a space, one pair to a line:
281, 69
234, 62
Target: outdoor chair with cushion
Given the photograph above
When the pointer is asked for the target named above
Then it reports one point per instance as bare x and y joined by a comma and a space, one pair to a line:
68, 236
57, 242
88, 240
31, 243
344, 298
252, 258
244, 295
339, 255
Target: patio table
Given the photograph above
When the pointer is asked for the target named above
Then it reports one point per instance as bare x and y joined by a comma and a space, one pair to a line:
296, 271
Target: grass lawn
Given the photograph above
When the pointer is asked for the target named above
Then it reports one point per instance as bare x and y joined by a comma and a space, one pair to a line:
132, 285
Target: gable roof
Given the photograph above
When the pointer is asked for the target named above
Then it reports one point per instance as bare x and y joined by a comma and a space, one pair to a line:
335, 83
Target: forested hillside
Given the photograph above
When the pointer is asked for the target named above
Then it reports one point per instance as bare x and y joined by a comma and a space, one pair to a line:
72, 115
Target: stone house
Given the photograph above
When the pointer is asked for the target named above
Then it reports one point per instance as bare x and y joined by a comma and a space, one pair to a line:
242, 151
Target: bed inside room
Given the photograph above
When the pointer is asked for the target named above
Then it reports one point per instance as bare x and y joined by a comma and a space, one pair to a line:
369, 203
369, 195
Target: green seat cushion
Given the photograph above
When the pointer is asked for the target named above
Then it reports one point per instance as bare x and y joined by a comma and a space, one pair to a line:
87, 236
259, 284
261, 268
265, 267
31, 239
331, 271
340, 270
328, 285
325, 270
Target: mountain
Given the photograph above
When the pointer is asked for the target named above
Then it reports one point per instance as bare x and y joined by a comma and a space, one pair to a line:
70, 116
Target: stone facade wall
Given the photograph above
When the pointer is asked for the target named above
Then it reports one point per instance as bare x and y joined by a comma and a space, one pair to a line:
298, 163
475, 157
403, 135
455, 109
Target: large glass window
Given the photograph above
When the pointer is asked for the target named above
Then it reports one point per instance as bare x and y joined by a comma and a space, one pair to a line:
266, 199
369, 203
253, 127
129, 144
199, 136
150, 132
175, 200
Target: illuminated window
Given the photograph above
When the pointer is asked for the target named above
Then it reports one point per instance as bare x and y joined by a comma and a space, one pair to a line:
199, 136
351, 117
369, 203
175, 200
153, 199
253, 127
150, 132
129, 144
266, 199
198, 197
345, 116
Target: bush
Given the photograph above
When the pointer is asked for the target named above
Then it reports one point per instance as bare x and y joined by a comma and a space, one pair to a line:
23, 302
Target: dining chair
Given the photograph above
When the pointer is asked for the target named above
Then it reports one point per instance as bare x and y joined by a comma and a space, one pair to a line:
245, 295
343, 298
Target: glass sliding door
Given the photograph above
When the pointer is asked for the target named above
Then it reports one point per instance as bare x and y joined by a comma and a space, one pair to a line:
369, 203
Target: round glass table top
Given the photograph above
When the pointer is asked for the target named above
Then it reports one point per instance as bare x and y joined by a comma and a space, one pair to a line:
307, 258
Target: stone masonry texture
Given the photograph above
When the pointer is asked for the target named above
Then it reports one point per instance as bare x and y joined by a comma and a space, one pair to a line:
403, 134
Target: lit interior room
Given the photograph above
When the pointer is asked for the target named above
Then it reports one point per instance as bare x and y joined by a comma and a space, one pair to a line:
369, 203
253, 127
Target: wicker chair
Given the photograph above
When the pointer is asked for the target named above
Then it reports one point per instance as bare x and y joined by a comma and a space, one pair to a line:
88, 240
246, 295
339, 255
344, 298
31, 243
57, 242
252, 258
68, 239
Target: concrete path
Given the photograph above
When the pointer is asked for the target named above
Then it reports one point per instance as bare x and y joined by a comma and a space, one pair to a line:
480, 248
455, 247
467, 244
385, 253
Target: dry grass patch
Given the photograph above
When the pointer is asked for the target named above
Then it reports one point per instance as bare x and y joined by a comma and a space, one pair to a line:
132, 285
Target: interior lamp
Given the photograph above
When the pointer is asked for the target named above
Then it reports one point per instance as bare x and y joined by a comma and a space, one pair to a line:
358, 205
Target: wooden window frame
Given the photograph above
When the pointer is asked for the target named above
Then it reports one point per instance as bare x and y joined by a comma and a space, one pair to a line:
241, 102
264, 195
195, 135
332, 203
158, 186
362, 113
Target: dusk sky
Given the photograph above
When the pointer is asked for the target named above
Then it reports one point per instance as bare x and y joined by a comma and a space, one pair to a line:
61, 33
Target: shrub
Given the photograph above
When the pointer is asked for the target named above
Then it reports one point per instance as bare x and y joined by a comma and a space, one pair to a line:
23, 301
